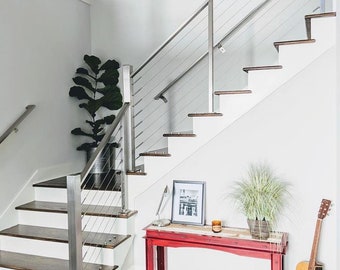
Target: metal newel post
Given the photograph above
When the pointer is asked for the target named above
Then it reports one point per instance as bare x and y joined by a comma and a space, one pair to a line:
322, 6
128, 136
211, 54
74, 222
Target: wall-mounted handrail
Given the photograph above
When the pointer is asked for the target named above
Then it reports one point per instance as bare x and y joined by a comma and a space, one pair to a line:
245, 20
155, 53
14, 126
104, 141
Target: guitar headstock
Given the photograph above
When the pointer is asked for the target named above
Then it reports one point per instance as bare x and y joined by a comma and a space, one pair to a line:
324, 208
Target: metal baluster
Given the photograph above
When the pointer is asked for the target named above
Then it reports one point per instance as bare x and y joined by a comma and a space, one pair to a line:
128, 136
322, 6
211, 54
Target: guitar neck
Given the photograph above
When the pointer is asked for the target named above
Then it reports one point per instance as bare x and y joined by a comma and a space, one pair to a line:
314, 252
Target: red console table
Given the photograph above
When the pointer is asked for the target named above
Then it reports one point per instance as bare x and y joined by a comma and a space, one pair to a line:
232, 240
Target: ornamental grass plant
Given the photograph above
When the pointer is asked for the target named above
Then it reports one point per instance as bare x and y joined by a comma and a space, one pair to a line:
261, 195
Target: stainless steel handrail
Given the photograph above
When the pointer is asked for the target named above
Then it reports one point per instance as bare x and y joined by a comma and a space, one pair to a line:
154, 54
246, 19
13, 127
104, 141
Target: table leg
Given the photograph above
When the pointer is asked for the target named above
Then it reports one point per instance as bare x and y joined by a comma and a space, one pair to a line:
277, 262
161, 258
149, 253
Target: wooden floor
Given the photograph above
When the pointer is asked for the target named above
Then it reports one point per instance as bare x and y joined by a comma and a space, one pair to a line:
19, 261
104, 181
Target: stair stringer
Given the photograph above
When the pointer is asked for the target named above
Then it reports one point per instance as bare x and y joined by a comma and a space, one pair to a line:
261, 82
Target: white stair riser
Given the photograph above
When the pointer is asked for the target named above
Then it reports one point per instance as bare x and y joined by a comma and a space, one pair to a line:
324, 29
265, 80
58, 250
234, 106
112, 198
93, 223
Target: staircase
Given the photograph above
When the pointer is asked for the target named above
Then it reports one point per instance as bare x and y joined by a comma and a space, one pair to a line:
294, 56
39, 241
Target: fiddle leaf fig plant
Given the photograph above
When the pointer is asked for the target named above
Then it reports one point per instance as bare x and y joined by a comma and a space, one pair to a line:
96, 88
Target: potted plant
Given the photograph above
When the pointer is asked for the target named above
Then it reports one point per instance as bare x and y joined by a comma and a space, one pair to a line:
96, 88
260, 196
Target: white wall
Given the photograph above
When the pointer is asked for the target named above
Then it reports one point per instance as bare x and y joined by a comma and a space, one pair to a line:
294, 130
42, 43
131, 30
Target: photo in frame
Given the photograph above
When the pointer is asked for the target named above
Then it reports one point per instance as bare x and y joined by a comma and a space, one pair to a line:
188, 202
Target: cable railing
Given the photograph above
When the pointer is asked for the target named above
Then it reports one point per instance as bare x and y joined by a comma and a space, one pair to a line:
14, 127
177, 79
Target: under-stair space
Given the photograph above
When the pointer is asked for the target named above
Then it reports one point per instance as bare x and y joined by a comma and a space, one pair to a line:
40, 240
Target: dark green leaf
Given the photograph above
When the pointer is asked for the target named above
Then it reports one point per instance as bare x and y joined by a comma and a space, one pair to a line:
79, 92
86, 107
106, 120
92, 106
78, 131
112, 100
109, 119
82, 71
110, 76
107, 89
110, 64
93, 62
83, 82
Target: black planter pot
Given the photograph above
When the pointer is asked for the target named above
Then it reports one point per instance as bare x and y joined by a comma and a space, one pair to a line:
104, 163
259, 229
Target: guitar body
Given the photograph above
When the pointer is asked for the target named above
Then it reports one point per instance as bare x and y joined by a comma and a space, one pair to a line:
304, 266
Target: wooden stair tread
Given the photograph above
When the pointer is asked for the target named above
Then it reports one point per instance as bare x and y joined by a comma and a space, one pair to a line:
179, 134
156, 153
291, 42
139, 170
103, 240
136, 173
21, 261
309, 17
205, 114
107, 180
320, 15
232, 92
91, 210
246, 69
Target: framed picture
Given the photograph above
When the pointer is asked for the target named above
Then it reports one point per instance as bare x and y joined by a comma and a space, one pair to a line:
188, 202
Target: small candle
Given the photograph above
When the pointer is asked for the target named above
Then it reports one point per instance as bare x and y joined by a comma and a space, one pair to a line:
216, 226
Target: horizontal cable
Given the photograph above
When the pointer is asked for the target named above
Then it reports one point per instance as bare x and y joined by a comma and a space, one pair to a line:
205, 4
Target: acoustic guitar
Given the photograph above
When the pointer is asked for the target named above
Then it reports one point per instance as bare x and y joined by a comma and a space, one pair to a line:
312, 264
